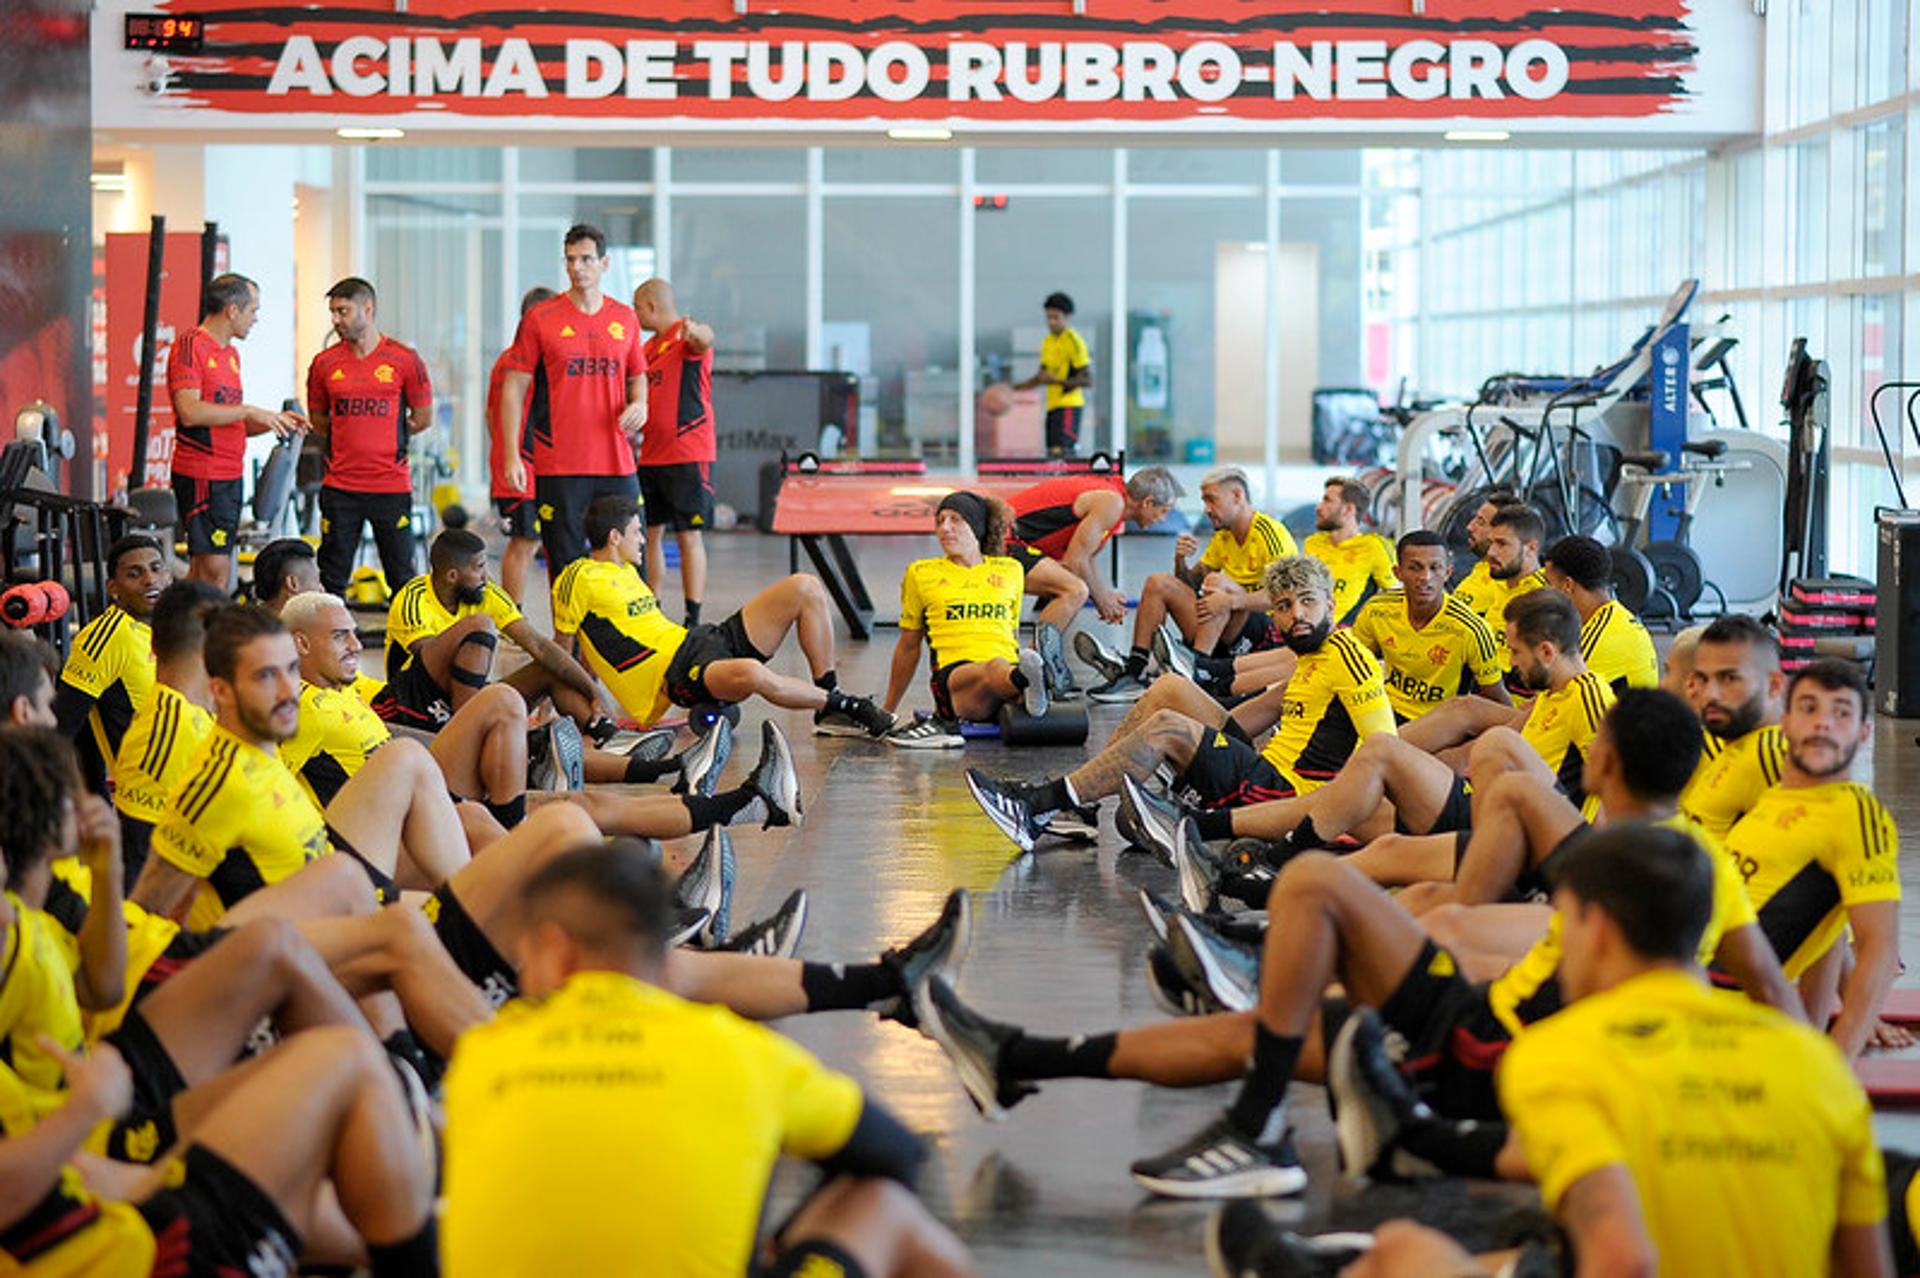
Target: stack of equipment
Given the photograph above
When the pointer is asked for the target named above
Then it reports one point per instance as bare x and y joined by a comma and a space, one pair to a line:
1827, 617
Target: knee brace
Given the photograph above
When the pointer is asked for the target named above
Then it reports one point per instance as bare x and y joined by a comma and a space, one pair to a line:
472, 678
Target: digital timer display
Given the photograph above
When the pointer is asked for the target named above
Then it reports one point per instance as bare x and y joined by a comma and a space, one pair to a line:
165, 32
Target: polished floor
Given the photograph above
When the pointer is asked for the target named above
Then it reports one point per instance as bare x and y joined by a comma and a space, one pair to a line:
1059, 947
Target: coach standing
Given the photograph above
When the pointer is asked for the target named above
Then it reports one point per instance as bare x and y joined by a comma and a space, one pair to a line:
589, 345
367, 396
212, 424
677, 451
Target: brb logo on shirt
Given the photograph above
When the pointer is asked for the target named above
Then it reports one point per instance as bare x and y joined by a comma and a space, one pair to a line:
593, 366
979, 612
359, 406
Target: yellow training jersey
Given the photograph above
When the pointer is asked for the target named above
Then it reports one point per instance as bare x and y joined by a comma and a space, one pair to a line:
336, 737
1733, 775
1745, 1132
72, 1234
239, 821
967, 614
1504, 593
366, 687
1359, 562
1061, 354
1530, 989
36, 998
1246, 561
654, 1123
111, 660
1479, 591
163, 736
417, 613
148, 936
1336, 699
1619, 649
1450, 656
628, 641
1809, 854
1561, 726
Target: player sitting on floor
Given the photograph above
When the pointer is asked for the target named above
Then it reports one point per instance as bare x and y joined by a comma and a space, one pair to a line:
1335, 699
1616, 646
1361, 562
649, 663
283, 569
109, 669
965, 606
1735, 684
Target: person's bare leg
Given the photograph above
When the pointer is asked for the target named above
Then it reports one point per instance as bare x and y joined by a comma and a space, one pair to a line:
1208, 633
1259, 713
1162, 595
1259, 670
331, 887
693, 564
489, 887
800, 603
654, 816
395, 949
460, 658
1497, 934
482, 750
740, 678
1404, 1249
758, 988
215, 570
1517, 822
1820, 984
654, 557
396, 813
1067, 594
1193, 1051
1458, 721
1396, 860
1167, 735
1383, 769
533, 682
516, 565
1172, 692
882, 1226
979, 688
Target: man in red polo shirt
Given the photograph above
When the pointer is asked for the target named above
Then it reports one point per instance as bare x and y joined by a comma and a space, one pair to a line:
212, 424
589, 346
677, 450
515, 505
367, 395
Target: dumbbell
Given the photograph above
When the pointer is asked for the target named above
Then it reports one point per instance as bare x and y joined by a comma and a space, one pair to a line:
1065, 723
58, 600
24, 605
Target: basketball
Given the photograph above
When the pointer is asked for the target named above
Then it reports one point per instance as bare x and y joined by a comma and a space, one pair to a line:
997, 399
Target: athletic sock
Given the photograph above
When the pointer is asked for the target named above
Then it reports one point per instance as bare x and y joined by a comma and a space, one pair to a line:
718, 810
693, 613
1082, 1056
838, 702
510, 813
1260, 1110
639, 770
831, 987
1017, 678
1053, 796
828, 682
408, 1258
1214, 823
1304, 838
1137, 659
1211, 672
1457, 1147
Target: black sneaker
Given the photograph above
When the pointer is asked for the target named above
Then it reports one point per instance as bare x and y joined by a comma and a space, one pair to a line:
932, 733
686, 926
707, 883
1172, 992
941, 950
973, 1045
777, 935
1104, 661
774, 780
1244, 929
1081, 824
1244, 1242
1199, 874
701, 762
1053, 655
1122, 689
861, 718
1033, 698
1152, 818
1171, 651
1221, 1163
1008, 806
1227, 969
1371, 1100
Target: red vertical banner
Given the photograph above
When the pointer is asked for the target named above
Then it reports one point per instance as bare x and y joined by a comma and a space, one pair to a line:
126, 291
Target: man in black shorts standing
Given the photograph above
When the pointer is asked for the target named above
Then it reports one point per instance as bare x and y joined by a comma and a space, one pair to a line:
212, 424
589, 346
367, 395
516, 506
677, 450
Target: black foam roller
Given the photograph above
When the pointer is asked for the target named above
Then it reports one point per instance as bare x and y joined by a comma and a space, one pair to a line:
1065, 723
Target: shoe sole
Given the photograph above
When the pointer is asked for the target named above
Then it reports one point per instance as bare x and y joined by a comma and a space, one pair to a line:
1159, 840
1033, 698
697, 888
1115, 698
1224, 987
709, 756
1052, 648
1156, 917
949, 968
1196, 889
720, 918
774, 743
965, 1067
796, 928
1072, 828
1171, 658
1183, 1005
1261, 1182
927, 743
568, 753
1025, 844
1357, 1130
1097, 656
840, 730
687, 933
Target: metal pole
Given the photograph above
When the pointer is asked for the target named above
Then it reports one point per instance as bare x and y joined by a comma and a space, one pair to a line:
149, 337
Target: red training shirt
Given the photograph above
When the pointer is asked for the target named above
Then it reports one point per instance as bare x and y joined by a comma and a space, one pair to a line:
533, 409
588, 359
366, 401
201, 363
1043, 514
679, 401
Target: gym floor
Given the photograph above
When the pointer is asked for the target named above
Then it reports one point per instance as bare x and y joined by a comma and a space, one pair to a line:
1059, 947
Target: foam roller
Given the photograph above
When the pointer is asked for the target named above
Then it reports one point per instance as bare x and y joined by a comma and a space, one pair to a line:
1065, 723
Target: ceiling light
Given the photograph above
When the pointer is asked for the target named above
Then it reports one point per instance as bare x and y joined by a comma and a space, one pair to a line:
920, 133
360, 134
1478, 135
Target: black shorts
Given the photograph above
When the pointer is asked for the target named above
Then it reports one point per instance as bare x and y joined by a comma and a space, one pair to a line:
814, 1258
704, 645
343, 516
1226, 772
210, 1221
1028, 557
562, 502
1063, 429
1535, 883
385, 890
678, 495
1256, 635
136, 841
412, 698
518, 517
1454, 1041
183, 949
147, 1131
476, 956
1456, 814
209, 513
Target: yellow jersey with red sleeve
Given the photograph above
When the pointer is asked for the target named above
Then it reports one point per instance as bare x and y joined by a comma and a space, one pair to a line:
158, 744
655, 1124
628, 642
1809, 854
1619, 649
1746, 1135
1561, 726
71, 1233
417, 613
967, 614
338, 733
1733, 775
111, 661
1336, 699
1530, 989
1245, 562
1360, 565
148, 936
1478, 590
1504, 593
238, 821
1450, 656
